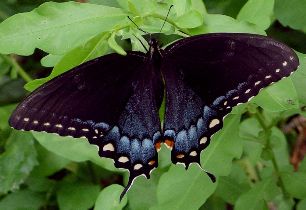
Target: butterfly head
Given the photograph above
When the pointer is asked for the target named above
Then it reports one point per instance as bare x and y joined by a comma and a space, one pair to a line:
155, 52
153, 43
154, 46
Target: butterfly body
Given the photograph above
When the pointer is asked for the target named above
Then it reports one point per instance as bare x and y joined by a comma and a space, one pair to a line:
114, 100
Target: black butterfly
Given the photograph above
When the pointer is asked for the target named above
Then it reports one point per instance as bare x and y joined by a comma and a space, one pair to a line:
114, 100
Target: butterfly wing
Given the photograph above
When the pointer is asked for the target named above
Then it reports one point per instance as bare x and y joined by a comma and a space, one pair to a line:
206, 75
113, 101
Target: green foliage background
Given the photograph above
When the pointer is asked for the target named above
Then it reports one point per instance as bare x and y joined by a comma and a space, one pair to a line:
249, 156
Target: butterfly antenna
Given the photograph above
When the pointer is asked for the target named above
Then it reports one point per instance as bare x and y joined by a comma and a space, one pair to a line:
138, 26
142, 43
128, 186
142, 31
166, 19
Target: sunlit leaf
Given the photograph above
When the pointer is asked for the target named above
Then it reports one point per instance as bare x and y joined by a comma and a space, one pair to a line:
278, 97
50, 60
95, 47
191, 19
77, 150
214, 23
291, 13
224, 147
251, 132
108, 198
228, 7
147, 189
114, 45
56, 27
258, 12
299, 78
178, 187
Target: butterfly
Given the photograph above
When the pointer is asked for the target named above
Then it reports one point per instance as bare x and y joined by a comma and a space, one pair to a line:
114, 100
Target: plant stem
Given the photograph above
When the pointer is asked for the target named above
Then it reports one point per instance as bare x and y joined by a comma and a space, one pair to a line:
250, 170
19, 69
267, 129
49, 194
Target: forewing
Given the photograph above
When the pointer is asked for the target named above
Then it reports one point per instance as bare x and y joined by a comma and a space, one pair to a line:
109, 101
207, 75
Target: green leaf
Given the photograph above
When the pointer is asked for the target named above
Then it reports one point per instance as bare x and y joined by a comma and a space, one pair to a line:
40, 184
180, 6
295, 183
132, 8
224, 147
94, 48
22, 200
108, 198
50, 60
77, 195
302, 166
11, 89
299, 77
191, 19
251, 132
229, 189
239, 173
78, 150
114, 45
141, 7
49, 162
17, 161
147, 189
214, 203
221, 23
280, 96
228, 7
258, 12
291, 13
280, 147
164, 158
178, 185
110, 3
56, 28
283, 203
199, 6
147, 7
189, 13
180, 189
5, 66
5, 113
136, 44
255, 198
301, 205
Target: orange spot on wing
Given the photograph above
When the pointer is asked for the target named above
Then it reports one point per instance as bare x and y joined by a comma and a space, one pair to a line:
158, 145
169, 143
152, 162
